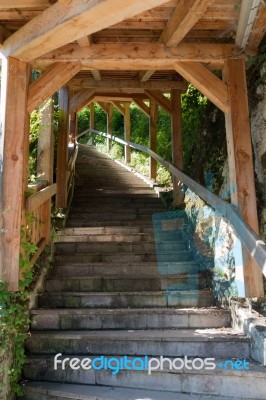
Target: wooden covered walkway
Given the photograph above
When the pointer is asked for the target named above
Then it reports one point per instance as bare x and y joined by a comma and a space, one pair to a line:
113, 53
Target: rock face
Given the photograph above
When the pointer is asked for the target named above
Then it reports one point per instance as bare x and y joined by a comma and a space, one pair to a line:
258, 131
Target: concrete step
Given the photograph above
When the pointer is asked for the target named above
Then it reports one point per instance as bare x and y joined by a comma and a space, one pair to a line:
119, 237
73, 319
174, 256
121, 247
108, 216
117, 206
129, 201
62, 391
77, 223
180, 299
124, 269
127, 283
220, 343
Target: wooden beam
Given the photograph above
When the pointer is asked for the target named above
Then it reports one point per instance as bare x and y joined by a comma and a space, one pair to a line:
125, 84
67, 21
160, 99
37, 199
241, 170
103, 106
140, 103
127, 133
85, 41
96, 75
186, 14
21, 4
14, 180
258, 30
153, 138
45, 152
49, 82
177, 144
144, 76
119, 107
62, 148
206, 82
92, 120
80, 99
128, 56
109, 125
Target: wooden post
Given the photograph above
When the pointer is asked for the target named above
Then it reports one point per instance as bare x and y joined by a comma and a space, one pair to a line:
62, 148
45, 159
73, 120
153, 137
16, 78
92, 123
109, 125
127, 133
177, 145
45, 155
241, 171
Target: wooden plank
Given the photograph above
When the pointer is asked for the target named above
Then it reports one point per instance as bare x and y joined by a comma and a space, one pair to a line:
62, 148
185, 16
103, 106
140, 103
258, 30
160, 99
21, 4
45, 152
96, 75
73, 127
206, 82
37, 199
241, 170
119, 107
49, 82
127, 133
128, 56
153, 137
80, 100
16, 144
166, 85
92, 121
177, 144
67, 21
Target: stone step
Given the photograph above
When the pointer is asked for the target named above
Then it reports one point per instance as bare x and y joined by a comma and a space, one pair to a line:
118, 237
110, 230
62, 391
121, 247
124, 269
243, 384
221, 343
77, 223
127, 283
180, 299
73, 319
173, 256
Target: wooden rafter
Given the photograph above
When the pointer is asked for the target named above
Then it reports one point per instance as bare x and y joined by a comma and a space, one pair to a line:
127, 56
127, 84
145, 75
160, 99
49, 82
96, 75
140, 103
20, 4
185, 16
85, 41
67, 21
119, 107
206, 82
81, 99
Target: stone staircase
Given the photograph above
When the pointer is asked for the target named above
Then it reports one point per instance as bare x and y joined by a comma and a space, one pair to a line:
108, 296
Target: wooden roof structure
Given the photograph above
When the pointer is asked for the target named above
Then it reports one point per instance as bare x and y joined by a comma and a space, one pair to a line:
115, 52
129, 43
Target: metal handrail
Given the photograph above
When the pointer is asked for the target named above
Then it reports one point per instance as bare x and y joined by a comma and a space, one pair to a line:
252, 242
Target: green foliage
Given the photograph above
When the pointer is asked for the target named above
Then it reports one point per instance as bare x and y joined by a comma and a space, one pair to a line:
14, 321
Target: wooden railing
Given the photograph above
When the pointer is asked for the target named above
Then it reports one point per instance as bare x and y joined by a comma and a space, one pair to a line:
38, 206
252, 242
